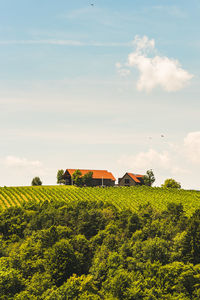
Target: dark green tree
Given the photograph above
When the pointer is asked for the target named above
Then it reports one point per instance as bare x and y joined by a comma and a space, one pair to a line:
171, 183
191, 243
61, 261
81, 180
77, 178
149, 178
11, 280
36, 181
60, 179
153, 249
39, 283
119, 284
74, 288
87, 179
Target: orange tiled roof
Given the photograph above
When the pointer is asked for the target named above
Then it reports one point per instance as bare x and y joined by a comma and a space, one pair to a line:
135, 177
97, 174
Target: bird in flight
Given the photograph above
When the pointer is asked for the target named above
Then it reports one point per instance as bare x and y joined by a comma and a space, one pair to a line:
92, 4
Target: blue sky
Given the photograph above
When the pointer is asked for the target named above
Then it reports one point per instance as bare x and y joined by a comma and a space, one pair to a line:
95, 87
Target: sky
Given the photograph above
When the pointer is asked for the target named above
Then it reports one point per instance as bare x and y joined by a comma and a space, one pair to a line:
114, 85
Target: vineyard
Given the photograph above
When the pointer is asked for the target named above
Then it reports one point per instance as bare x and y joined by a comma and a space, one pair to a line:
121, 197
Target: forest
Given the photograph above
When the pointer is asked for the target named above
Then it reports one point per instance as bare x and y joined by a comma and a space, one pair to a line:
91, 250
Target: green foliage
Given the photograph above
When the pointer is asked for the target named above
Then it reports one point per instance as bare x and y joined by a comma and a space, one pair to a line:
83, 253
75, 288
60, 179
153, 249
60, 261
191, 243
149, 178
36, 286
13, 222
171, 183
92, 250
82, 180
87, 179
36, 181
118, 285
11, 280
77, 178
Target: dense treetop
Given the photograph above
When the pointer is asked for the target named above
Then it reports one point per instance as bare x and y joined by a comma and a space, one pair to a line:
171, 183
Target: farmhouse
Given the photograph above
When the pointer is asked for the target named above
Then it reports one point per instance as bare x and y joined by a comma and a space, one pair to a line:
130, 179
99, 177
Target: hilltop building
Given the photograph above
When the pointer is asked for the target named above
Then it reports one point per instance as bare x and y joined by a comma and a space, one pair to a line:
99, 177
130, 179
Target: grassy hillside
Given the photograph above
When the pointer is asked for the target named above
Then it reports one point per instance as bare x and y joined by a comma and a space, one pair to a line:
121, 197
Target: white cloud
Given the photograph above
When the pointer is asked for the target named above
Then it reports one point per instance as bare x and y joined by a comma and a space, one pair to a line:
156, 71
174, 160
143, 44
146, 160
192, 146
121, 70
20, 170
18, 162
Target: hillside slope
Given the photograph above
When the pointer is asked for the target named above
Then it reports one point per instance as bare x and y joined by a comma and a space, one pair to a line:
121, 197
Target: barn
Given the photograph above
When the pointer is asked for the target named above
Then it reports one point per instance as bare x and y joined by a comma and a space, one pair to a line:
99, 177
130, 179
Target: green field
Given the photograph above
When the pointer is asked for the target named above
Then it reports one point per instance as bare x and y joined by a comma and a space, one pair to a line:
121, 197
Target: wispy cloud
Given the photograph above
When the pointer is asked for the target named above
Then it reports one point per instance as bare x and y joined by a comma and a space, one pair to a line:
94, 14
82, 12
147, 160
21, 169
63, 42
121, 70
174, 11
42, 42
68, 134
178, 159
155, 71
192, 146
19, 162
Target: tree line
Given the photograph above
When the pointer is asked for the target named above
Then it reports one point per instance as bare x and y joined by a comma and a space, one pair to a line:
86, 180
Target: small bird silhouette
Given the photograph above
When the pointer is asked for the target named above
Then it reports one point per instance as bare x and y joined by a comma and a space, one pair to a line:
162, 135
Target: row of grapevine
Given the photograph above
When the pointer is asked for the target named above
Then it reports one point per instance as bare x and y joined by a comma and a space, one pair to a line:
121, 197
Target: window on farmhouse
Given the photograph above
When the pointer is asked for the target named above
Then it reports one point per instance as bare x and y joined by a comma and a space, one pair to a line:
127, 181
